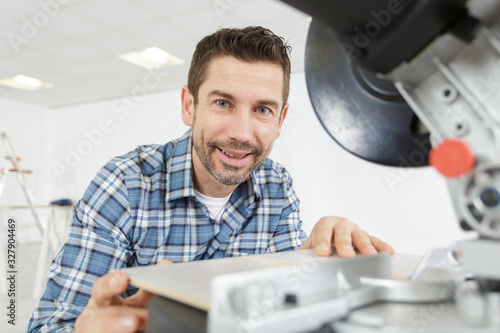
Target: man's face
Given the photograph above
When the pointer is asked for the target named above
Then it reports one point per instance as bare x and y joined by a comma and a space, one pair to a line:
236, 120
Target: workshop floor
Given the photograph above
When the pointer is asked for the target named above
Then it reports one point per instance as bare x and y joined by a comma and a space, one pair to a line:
27, 261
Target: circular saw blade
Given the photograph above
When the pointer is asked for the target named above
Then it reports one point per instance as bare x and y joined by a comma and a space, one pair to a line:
366, 115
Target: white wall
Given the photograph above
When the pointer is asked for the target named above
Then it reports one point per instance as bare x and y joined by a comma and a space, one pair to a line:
87, 136
412, 211
26, 128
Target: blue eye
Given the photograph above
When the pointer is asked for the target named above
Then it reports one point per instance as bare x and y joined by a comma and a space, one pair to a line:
263, 110
222, 103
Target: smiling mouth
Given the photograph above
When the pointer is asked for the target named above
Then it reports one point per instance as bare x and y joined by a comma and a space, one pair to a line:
236, 156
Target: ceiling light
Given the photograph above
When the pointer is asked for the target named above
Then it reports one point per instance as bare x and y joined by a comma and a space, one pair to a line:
25, 83
151, 58
155, 54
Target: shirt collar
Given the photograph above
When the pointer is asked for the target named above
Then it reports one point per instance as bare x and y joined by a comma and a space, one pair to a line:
180, 173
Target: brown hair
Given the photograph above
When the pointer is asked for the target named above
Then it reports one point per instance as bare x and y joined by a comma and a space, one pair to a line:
249, 44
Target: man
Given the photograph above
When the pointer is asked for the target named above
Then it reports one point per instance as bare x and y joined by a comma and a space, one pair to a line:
210, 194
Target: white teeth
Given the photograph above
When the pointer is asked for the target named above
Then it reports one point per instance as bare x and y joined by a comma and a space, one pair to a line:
233, 156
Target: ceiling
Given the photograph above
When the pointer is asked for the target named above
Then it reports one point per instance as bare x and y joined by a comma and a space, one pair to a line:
74, 44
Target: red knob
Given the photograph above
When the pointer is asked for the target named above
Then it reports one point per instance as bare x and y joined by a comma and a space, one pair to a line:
452, 158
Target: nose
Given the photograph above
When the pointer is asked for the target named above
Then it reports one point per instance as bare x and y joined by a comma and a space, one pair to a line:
240, 127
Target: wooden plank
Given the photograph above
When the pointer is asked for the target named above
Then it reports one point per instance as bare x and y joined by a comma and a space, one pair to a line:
190, 282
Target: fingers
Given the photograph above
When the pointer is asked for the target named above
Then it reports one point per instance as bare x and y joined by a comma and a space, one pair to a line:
140, 299
106, 289
107, 311
112, 319
346, 236
362, 241
343, 239
327, 230
381, 246
321, 238
321, 249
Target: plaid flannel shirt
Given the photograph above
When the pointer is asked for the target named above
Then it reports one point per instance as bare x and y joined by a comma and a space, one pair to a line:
141, 209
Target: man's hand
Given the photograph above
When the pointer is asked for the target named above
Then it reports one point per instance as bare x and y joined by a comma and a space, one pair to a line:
345, 236
106, 311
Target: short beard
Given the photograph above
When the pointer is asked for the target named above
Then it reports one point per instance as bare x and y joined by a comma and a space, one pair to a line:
229, 175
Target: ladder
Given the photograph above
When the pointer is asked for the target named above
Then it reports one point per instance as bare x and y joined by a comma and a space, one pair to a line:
16, 171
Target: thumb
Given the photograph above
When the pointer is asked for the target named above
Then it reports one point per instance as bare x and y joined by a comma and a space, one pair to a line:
307, 244
106, 289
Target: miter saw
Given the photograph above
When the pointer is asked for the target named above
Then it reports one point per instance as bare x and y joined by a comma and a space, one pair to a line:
399, 83
410, 83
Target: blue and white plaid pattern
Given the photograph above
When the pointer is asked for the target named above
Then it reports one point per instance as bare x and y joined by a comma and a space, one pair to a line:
141, 209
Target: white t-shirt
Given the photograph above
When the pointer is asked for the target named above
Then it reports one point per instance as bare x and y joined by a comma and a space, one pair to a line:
215, 206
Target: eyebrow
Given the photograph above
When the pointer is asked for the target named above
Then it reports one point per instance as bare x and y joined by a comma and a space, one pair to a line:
221, 94
225, 95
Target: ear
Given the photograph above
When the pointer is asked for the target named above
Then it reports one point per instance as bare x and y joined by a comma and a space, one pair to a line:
282, 119
187, 100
